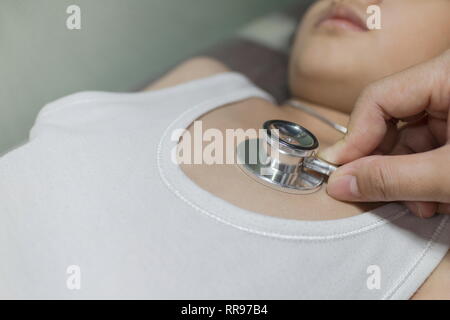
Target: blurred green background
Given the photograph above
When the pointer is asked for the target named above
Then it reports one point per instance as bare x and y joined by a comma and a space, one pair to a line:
120, 46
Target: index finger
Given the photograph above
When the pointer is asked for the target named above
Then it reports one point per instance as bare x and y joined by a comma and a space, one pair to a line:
425, 87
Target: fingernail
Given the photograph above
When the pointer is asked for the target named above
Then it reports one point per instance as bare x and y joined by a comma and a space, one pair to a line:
330, 154
419, 211
326, 154
414, 208
343, 188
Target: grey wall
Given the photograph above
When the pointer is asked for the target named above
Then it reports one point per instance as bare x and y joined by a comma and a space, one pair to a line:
120, 46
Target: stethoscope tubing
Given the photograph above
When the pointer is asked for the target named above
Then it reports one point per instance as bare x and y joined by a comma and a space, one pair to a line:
312, 112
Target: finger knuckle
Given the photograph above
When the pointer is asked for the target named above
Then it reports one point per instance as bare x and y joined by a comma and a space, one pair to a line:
379, 182
439, 177
445, 59
369, 92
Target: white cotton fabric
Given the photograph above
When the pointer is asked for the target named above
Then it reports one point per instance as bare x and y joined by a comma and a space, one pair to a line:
95, 188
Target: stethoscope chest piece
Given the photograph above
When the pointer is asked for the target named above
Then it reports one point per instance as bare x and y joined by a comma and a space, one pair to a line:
284, 158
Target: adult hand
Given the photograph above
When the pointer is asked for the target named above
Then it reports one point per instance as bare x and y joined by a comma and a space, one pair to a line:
387, 161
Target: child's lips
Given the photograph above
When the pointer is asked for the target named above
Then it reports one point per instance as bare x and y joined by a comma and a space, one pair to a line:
342, 17
342, 24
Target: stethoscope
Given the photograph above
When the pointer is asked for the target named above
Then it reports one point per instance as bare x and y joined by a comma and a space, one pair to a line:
285, 158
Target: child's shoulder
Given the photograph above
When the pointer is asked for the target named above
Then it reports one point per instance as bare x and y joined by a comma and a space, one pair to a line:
194, 68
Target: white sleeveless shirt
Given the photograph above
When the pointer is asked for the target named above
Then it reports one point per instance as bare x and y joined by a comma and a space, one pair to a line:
93, 207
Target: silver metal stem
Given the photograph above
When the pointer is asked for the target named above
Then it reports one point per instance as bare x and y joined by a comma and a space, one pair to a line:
319, 165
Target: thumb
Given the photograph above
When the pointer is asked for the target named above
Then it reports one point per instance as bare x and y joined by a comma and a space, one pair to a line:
416, 177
